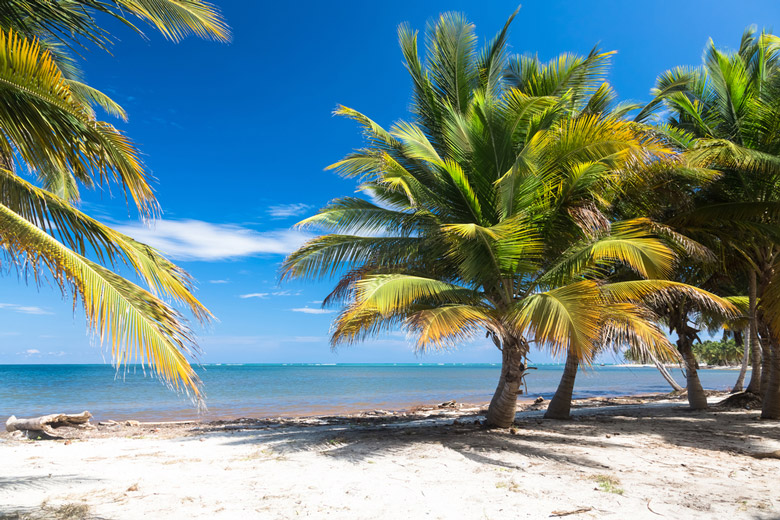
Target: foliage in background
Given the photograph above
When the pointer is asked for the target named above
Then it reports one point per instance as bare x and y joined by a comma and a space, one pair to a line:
720, 353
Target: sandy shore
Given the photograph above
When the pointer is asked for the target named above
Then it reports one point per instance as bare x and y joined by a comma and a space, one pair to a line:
617, 459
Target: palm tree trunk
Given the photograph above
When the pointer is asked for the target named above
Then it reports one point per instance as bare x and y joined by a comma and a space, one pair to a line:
766, 354
697, 400
754, 386
666, 375
739, 339
503, 406
771, 401
560, 405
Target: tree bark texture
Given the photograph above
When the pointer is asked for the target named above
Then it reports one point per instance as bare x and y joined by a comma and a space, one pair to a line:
560, 405
766, 353
754, 385
503, 406
771, 400
666, 375
739, 340
697, 400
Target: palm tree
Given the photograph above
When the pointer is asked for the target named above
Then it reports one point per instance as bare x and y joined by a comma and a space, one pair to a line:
731, 107
48, 127
486, 218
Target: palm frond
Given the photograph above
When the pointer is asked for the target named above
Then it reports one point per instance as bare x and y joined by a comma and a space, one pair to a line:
139, 327
563, 319
85, 235
445, 326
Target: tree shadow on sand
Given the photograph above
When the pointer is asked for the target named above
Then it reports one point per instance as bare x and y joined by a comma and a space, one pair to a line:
71, 511
569, 442
10, 484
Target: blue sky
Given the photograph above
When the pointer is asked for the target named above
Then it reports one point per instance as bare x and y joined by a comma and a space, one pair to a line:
237, 136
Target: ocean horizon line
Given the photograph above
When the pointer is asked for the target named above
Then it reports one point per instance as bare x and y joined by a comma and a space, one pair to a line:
298, 364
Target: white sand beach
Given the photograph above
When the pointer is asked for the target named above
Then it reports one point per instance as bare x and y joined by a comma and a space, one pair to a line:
614, 460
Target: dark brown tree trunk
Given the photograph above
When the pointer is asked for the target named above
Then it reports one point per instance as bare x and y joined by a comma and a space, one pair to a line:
560, 405
739, 340
754, 385
766, 353
771, 399
697, 400
503, 406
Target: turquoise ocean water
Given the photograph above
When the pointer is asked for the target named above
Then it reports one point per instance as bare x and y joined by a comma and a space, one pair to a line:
252, 390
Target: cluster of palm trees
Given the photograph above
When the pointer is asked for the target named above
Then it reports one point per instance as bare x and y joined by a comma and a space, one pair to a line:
52, 144
521, 200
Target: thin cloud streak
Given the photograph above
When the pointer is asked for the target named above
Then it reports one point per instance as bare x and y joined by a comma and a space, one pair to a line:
24, 309
205, 241
287, 210
309, 310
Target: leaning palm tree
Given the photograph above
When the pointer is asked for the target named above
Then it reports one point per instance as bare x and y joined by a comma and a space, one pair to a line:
730, 106
51, 143
486, 218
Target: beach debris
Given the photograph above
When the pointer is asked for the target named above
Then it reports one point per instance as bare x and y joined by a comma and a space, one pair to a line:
46, 424
132, 423
573, 512
108, 423
766, 455
744, 400
448, 404
539, 400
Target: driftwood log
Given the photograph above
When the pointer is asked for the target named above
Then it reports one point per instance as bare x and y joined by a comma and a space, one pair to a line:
47, 423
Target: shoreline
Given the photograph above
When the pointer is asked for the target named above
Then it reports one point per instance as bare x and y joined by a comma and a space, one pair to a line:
106, 428
233, 392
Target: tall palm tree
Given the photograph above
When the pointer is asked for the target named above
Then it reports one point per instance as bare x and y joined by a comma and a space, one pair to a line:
486, 217
730, 106
49, 130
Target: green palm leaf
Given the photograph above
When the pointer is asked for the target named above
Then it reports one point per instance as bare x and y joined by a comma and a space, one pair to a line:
139, 327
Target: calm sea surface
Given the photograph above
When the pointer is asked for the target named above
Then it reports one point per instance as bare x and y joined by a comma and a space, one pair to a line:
252, 390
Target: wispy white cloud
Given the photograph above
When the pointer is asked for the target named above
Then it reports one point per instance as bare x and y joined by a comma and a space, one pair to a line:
309, 310
287, 293
31, 352
199, 240
260, 295
24, 309
287, 210
219, 281
264, 295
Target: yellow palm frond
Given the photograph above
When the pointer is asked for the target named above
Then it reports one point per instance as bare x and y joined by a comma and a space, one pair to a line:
52, 131
659, 292
177, 18
441, 327
139, 327
635, 327
392, 293
563, 319
78, 231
